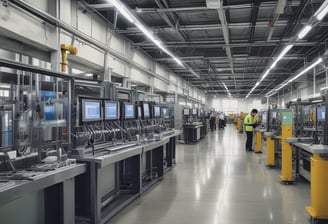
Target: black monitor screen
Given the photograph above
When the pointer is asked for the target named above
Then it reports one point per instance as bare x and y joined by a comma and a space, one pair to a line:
157, 111
186, 111
111, 111
129, 111
165, 112
194, 111
91, 110
321, 113
146, 113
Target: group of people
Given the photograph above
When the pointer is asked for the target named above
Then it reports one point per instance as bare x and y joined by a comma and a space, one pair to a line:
217, 120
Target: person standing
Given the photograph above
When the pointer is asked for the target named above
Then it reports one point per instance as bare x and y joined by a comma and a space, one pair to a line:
221, 120
249, 128
212, 121
216, 122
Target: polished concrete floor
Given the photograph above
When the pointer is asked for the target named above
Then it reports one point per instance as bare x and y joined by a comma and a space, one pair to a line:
216, 181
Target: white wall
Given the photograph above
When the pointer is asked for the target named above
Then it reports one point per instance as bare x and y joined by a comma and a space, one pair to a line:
19, 25
237, 105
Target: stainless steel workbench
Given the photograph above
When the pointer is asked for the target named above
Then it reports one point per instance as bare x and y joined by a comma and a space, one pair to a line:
53, 190
99, 190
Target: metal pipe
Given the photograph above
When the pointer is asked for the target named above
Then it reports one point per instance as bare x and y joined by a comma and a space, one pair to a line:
314, 80
64, 49
69, 118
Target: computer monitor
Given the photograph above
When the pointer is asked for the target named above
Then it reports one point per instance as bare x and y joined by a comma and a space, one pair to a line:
139, 112
157, 111
165, 112
194, 111
91, 110
129, 112
145, 110
186, 112
321, 113
111, 110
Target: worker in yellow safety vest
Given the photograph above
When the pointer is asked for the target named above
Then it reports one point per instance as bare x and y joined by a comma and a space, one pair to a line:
249, 128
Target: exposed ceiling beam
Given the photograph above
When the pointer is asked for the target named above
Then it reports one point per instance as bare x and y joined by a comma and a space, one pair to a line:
168, 29
281, 4
171, 22
225, 7
219, 44
236, 58
254, 15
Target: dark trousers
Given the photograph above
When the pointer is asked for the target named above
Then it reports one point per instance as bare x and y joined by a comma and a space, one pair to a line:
249, 141
212, 121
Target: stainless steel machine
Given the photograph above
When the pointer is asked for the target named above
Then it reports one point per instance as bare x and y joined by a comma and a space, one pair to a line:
80, 149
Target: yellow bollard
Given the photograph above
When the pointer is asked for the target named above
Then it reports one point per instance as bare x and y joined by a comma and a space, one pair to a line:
270, 161
319, 186
286, 155
258, 141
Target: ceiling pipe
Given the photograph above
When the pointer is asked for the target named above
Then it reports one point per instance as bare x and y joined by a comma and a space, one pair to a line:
278, 11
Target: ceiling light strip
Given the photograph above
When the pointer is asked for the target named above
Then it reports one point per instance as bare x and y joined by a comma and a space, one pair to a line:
304, 71
132, 19
319, 15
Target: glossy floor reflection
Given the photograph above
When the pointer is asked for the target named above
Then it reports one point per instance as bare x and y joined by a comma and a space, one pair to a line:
216, 181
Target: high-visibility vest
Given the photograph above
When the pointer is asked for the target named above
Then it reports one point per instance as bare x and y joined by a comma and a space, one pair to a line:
248, 122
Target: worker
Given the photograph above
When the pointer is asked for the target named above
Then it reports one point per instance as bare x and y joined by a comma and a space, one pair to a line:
249, 127
216, 122
212, 121
221, 121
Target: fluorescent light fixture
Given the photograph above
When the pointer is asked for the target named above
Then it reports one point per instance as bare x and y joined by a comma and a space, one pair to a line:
177, 61
273, 65
225, 86
281, 55
282, 86
324, 88
265, 74
192, 72
258, 83
322, 11
316, 101
148, 34
306, 70
124, 12
272, 94
304, 31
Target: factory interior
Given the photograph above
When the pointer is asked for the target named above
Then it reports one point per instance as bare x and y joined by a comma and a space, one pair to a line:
163, 111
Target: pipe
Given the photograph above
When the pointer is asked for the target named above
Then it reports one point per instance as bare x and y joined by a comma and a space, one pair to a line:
64, 49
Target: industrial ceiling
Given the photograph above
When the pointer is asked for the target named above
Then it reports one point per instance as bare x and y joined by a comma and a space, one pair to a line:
233, 43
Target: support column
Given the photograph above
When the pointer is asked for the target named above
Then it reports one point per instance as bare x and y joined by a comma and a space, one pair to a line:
314, 81
55, 57
107, 69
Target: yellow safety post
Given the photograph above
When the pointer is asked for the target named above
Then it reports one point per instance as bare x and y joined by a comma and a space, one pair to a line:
286, 155
258, 141
270, 161
319, 186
